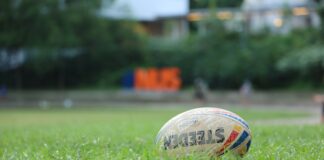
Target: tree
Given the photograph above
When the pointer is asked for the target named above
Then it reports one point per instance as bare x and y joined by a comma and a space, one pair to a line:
194, 4
43, 24
308, 62
53, 30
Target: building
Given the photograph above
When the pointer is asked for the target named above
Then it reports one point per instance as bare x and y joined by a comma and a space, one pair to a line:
276, 16
232, 18
159, 17
279, 16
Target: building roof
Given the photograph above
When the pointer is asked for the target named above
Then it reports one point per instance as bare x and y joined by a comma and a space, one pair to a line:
144, 10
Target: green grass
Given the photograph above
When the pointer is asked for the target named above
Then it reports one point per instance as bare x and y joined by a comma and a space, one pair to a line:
126, 133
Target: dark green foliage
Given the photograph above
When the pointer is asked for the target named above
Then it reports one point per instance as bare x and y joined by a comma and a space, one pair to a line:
212, 3
71, 46
308, 63
45, 23
225, 59
67, 45
321, 14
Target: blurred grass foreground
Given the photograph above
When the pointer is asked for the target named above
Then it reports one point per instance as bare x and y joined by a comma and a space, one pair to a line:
129, 133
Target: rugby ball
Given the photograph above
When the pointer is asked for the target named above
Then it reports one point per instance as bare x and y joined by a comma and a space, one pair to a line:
211, 131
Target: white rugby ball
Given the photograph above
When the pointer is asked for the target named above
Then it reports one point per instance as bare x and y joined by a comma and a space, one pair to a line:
211, 131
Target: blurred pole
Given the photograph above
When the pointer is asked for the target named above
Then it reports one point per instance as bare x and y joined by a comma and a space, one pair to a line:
320, 99
243, 34
212, 4
212, 9
61, 72
63, 100
322, 112
18, 79
61, 78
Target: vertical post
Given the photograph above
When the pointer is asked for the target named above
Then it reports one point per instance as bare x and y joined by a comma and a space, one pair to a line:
322, 115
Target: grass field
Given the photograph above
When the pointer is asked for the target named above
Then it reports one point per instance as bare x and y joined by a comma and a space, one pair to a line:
129, 133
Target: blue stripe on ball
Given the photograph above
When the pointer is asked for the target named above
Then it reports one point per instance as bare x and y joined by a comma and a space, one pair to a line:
248, 145
243, 136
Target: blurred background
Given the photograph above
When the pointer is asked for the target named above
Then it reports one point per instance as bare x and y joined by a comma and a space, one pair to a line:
97, 79
79, 52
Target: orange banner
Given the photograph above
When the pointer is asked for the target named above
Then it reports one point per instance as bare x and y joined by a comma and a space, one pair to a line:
165, 79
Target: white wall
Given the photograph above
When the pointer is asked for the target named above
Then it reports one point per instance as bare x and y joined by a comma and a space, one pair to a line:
144, 10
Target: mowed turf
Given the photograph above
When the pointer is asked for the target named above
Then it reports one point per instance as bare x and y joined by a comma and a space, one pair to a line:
129, 133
